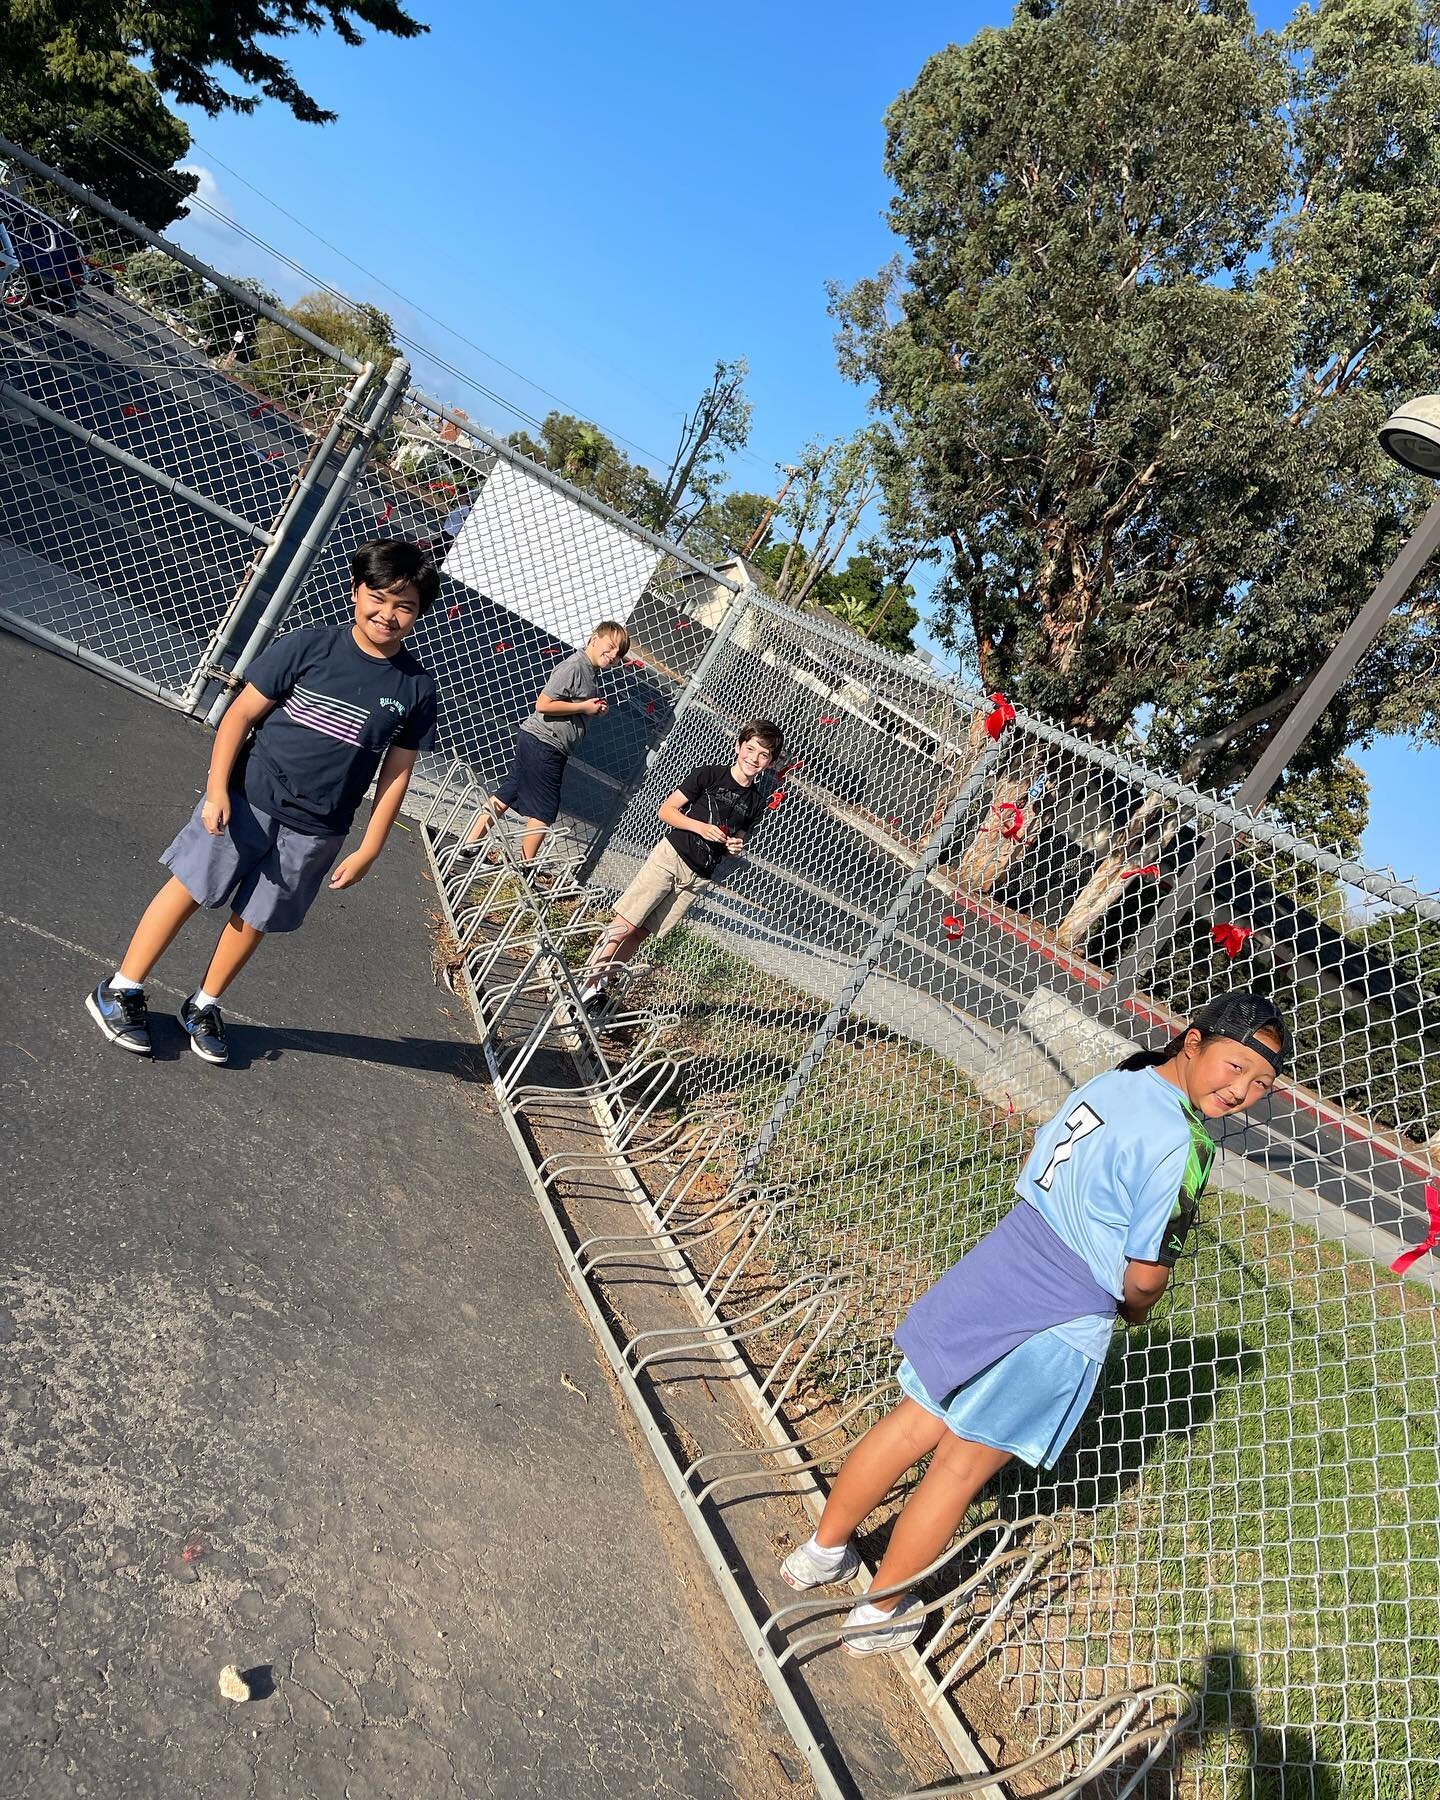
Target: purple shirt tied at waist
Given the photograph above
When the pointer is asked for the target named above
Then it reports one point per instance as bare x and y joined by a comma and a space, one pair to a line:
1020, 1279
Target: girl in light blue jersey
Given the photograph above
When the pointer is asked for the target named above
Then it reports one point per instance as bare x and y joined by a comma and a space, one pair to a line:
1004, 1352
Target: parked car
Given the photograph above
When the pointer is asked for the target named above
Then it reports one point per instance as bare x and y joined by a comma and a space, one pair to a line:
12, 276
52, 260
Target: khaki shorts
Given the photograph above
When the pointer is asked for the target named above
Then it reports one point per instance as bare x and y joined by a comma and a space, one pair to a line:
660, 894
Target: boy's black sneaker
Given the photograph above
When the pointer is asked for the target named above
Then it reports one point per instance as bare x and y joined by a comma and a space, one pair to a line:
122, 1015
206, 1031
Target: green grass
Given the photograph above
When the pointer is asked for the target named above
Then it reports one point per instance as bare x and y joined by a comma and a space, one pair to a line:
1260, 1472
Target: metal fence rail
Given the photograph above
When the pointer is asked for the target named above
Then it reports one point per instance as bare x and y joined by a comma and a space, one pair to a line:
167, 436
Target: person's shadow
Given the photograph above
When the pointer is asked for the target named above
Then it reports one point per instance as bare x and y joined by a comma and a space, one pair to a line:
1278, 1764
427, 1056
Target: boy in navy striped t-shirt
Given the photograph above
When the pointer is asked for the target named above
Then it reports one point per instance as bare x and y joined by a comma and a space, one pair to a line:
322, 712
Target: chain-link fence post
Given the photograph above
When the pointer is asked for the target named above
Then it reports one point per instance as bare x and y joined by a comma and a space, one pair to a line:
735, 611
268, 567
865, 965
367, 432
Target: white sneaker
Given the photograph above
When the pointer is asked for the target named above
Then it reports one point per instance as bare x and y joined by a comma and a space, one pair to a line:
884, 1635
810, 1566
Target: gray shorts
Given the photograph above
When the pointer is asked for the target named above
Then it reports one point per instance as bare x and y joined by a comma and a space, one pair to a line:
264, 871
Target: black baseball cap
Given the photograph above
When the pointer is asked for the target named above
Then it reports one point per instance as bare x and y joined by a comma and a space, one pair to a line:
1240, 1016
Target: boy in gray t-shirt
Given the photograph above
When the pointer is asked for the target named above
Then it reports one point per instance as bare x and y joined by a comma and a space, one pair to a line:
564, 707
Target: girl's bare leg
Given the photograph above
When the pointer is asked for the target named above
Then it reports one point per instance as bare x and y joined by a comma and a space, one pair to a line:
158, 928
890, 1447
931, 1516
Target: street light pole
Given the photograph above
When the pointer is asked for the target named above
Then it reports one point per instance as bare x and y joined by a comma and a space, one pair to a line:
1412, 436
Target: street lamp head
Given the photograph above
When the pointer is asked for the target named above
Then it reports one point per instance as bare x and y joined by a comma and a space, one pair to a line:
1412, 436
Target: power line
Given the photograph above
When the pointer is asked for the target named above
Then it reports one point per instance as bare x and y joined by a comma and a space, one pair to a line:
441, 362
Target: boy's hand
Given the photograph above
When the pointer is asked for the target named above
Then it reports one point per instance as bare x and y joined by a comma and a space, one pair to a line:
734, 845
715, 834
215, 815
350, 869
595, 707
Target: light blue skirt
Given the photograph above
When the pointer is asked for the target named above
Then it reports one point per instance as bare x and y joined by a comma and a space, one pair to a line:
1029, 1403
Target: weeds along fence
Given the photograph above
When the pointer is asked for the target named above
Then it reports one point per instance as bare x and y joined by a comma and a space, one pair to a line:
934, 937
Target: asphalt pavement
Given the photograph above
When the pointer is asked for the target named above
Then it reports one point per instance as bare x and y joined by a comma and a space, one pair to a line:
288, 1376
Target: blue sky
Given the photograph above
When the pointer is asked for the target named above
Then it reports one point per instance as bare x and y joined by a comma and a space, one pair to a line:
604, 200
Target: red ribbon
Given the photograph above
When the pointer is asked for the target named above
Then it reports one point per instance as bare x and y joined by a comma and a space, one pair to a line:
1231, 938
442, 487
264, 406
551, 650
133, 412
1002, 713
954, 927
454, 612
388, 514
1432, 1237
786, 768
650, 707
682, 624
1143, 869
634, 663
501, 649
775, 801
1012, 830
830, 719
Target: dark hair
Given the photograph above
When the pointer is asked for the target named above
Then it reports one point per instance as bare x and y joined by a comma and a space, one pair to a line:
387, 563
1241, 1015
769, 734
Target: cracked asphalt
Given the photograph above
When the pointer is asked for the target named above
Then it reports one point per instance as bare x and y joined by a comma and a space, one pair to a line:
281, 1349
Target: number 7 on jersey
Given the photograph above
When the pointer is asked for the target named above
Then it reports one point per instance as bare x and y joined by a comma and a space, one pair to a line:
1081, 1121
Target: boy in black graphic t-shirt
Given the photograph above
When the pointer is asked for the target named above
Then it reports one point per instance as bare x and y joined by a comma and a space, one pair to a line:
328, 709
709, 817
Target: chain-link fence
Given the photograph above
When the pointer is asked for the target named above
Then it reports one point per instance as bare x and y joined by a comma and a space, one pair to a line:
935, 934
933, 938
530, 566
168, 438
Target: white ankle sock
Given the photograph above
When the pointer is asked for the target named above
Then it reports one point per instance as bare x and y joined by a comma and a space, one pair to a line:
201, 999
831, 1553
120, 984
866, 1614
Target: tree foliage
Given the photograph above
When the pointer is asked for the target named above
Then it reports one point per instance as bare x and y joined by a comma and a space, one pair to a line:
1165, 275
833, 483
161, 282
70, 91
727, 525
862, 595
586, 457
719, 422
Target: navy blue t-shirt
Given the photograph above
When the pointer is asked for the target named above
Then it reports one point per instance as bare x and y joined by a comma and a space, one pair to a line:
312, 759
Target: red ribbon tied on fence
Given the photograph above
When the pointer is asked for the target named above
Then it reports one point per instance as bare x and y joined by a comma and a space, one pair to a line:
830, 719
264, 406
551, 650
682, 624
954, 927
454, 612
1013, 828
1432, 1237
650, 707
634, 663
388, 514
1001, 714
785, 769
500, 649
133, 412
776, 801
1141, 869
442, 487
1231, 938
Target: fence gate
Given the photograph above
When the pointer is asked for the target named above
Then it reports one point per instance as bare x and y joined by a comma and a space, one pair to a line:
169, 441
